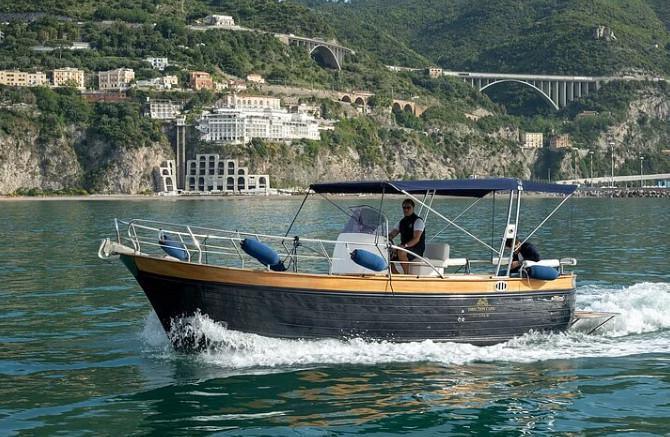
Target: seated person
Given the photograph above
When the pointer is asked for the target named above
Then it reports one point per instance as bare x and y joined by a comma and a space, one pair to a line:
412, 236
525, 251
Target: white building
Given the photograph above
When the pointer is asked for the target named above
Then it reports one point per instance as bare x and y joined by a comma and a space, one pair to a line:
157, 63
208, 172
164, 109
239, 126
167, 182
220, 20
255, 78
118, 79
249, 102
532, 140
161, 83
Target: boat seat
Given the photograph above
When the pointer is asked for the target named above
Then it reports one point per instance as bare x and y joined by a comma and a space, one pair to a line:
438, 255
545, 263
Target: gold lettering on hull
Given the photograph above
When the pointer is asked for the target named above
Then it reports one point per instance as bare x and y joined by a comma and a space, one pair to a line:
482, 308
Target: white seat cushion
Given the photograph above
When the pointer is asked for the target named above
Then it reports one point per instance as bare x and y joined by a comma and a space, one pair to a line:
544, 263
436, 251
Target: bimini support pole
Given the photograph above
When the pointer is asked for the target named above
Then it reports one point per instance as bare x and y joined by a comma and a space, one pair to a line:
456, 218
516, 227
502, 243
297, 213
547, 218
460, 228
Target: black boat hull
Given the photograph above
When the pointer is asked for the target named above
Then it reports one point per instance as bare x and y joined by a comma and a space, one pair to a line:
477, 318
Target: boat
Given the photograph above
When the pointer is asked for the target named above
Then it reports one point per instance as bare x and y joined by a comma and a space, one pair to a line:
298, 287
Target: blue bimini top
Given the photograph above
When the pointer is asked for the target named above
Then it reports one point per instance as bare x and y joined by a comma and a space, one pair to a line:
445, 187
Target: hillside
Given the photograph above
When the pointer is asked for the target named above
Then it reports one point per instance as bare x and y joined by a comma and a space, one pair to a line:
57, 140
536, 36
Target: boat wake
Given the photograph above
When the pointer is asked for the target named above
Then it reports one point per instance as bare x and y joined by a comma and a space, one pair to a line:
643, 326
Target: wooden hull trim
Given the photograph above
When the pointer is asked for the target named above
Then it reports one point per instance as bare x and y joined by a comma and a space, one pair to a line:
466, 284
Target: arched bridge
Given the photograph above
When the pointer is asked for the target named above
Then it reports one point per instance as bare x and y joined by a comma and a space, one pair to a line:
557, 90
360, 98
328, 54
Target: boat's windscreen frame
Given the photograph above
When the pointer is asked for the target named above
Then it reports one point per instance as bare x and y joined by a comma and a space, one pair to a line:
513, 213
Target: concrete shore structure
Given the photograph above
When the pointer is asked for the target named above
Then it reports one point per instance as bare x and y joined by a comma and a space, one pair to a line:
211, 173
167, 179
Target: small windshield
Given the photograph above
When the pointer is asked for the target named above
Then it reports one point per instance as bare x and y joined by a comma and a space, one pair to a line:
364, 220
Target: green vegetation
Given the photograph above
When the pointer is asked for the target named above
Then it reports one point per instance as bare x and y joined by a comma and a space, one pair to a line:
536, 36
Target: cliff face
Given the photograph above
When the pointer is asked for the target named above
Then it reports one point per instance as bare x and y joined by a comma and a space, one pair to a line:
71, 160
75, 157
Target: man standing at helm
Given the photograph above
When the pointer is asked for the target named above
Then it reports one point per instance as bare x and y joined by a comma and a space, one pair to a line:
412, 236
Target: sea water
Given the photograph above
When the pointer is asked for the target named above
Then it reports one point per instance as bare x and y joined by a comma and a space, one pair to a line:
81, 350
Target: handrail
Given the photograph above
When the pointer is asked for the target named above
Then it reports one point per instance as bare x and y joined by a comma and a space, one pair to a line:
216, 244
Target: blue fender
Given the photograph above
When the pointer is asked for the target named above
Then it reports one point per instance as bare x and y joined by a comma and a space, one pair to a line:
263, 253
173, 247
369, 260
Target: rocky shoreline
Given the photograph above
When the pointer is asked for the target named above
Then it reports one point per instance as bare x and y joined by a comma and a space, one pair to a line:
624, 193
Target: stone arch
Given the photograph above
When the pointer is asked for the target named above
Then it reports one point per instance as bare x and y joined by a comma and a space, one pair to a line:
201, 184
542, 93
241, 183
408, 108
222, 168
396, 107
325, 57
360, 101
262, 182
346, 99
230, 183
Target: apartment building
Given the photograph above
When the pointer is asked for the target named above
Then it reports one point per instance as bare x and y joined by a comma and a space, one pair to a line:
65, 76
21, 78
118, 79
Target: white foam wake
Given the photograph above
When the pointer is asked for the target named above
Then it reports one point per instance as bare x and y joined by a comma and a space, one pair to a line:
643, 309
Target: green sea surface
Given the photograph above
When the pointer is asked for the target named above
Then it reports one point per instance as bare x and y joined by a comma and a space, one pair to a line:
81, 351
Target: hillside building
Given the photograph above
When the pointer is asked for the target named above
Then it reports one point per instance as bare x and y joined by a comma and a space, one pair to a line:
220, 21
164, 110
20, 78
118, 79
200, 80
210, 173
255, 78
160, 83
604, 33
434, 72
68, 75
240, 126
560, 142
532, 140
249, 102
157, 63
237, 85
